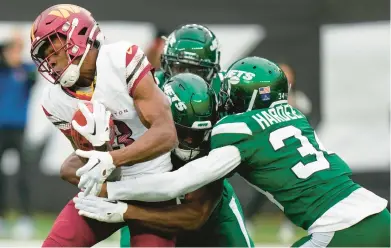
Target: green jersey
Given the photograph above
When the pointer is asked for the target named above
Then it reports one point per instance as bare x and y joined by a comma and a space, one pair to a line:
282, 157
224, 223
225, 226
160, 79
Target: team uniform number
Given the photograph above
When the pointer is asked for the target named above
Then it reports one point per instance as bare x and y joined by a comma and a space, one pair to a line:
302, 171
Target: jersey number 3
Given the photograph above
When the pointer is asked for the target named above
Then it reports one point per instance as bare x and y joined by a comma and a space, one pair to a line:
122, 134
302, 171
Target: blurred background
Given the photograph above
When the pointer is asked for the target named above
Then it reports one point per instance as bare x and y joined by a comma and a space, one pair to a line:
335, 53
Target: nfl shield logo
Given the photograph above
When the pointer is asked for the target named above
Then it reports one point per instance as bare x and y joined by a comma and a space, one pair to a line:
264, 93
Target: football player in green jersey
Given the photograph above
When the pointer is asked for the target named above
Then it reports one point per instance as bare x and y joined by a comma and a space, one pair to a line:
192, 48
211, 216
272, 146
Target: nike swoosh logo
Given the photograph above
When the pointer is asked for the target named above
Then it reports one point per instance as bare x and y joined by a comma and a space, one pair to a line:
93, 133
95, 165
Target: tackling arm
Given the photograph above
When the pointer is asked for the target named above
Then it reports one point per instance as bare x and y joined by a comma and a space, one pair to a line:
188, 178
69, 168
154, 111
188, 216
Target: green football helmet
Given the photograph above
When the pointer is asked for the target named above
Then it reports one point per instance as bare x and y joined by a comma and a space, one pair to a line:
254, 83
191, 48
194, 109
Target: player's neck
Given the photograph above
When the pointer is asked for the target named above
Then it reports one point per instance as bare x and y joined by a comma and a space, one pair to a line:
88, 69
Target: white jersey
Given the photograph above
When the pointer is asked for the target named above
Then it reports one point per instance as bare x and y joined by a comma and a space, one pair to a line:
120, 66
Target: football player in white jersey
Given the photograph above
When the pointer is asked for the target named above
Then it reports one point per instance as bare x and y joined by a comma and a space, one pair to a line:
67, 47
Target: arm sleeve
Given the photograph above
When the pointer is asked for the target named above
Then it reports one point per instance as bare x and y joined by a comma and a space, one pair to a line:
136, 67
168, 185
62, 125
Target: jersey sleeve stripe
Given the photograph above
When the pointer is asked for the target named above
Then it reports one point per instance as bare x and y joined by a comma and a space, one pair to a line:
65, 129
131, 67
142, 74
131, 75
130, 53
46, 112
232, 128
64, 126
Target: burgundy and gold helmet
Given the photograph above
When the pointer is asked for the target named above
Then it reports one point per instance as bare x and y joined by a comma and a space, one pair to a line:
73, 24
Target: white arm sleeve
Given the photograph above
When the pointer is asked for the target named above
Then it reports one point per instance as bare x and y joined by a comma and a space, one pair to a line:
188, 178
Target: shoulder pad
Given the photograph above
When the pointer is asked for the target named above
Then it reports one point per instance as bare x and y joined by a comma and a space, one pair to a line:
230, 130
124, 58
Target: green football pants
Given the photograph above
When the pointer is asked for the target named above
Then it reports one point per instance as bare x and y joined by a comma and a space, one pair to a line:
373, 231
225, 229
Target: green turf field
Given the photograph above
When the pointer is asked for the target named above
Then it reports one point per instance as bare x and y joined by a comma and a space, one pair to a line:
265, 227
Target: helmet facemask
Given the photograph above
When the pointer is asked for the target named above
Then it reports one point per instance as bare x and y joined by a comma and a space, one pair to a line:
191, 141
42, 60
173, 65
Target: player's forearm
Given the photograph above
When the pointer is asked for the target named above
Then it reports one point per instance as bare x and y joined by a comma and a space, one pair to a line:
152, 226
159, 139
184, 217
188, 178
69, 168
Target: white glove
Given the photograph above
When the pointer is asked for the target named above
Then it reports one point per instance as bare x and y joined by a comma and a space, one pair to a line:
95, 172
97, 130
100, 209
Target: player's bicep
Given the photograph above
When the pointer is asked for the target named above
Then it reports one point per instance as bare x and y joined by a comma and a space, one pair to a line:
151, 103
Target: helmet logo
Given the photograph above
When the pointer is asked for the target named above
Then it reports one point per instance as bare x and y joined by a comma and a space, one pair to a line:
240, 75
32, 36
173, 98
64, 10
234, 80
202, 125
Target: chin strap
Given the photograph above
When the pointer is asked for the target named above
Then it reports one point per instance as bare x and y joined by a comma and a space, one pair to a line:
252, 101
72, 73
185, 155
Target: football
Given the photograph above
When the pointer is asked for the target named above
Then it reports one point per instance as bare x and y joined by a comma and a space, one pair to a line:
78, 139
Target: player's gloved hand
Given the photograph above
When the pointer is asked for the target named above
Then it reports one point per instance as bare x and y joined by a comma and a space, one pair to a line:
100, 209
95, 172
97, 130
